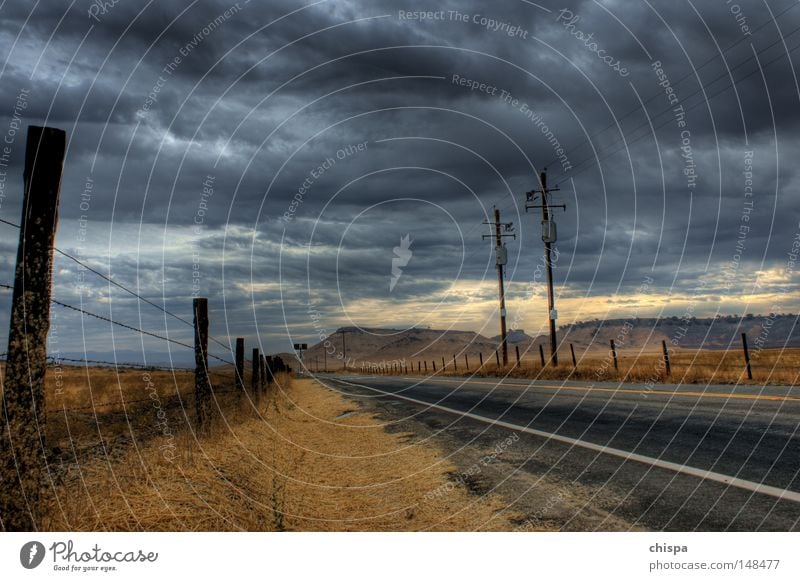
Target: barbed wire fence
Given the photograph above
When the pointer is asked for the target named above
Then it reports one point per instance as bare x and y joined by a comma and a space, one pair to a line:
23, 452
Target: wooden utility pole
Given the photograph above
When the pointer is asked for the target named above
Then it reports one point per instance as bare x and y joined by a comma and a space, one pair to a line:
240, 364
501, 259
549, 238
23, 457
202, 385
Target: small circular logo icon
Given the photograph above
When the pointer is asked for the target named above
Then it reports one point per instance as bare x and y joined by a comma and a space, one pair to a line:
31, 554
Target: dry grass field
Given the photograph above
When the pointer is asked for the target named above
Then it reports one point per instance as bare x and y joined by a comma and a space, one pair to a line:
299, 459
769, 366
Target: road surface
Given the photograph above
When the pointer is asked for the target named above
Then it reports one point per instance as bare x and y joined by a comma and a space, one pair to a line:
690, 457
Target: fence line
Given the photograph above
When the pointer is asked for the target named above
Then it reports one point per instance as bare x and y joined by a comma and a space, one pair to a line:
126, 326
23, 450
121, 286
666, 360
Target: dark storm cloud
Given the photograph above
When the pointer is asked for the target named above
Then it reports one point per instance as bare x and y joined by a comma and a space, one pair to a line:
260, 102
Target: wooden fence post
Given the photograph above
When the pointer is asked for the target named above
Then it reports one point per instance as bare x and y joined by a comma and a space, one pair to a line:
443, 364
455, 364
263, 366
434, 366
516, 348
541, 354
747, 356
480, 356
614, 354
497, 356
574, 360
240, 364
202, 386
255, 380
23, 461
426, 367
667, 367
466, 361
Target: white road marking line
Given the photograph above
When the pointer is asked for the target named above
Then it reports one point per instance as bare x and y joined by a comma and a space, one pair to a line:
673, 466
627, 390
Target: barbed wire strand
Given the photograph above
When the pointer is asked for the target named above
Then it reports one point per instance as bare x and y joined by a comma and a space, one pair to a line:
123, 287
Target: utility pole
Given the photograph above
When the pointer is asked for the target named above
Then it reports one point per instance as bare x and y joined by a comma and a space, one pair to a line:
501, 255
548, 237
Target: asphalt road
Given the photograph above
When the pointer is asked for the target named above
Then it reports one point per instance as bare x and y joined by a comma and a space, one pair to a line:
666, 458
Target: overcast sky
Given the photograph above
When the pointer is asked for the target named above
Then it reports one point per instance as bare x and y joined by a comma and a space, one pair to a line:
272, 155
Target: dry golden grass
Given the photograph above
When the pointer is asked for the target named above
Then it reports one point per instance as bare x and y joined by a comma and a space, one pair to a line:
289, 464
769, 366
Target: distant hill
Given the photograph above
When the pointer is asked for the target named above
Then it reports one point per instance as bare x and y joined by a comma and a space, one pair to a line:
376, 345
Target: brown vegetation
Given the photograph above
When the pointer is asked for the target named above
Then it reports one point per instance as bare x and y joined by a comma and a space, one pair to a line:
300, 459
770, 366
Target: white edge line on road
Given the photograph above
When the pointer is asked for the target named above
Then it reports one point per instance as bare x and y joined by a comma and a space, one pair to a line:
673, 466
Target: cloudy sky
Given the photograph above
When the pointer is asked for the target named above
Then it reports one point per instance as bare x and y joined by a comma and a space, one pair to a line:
272, 156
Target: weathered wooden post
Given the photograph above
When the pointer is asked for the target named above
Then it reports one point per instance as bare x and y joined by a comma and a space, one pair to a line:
255, 380
426, 366
667, 366
263, 364
574, 361
516, 348
614, 354
480, 356
497, 356
434, 366
443, 365
747, 356
455, 364
541, 354
23, 452
240, 364
466, 361
202, 385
